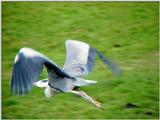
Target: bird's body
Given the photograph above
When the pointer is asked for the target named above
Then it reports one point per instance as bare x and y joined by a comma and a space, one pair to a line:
79, 62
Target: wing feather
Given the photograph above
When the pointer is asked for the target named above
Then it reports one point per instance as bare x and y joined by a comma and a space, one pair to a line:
80, 59
27, 69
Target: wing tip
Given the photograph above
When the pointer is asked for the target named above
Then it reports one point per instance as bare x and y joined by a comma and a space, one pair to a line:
20, 93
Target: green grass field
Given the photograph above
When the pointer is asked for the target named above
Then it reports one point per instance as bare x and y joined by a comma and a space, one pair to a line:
126, 32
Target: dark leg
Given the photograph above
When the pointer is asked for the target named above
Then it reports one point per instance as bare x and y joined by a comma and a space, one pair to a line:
76, 88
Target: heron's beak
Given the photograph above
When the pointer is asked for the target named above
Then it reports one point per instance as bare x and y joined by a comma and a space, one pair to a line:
38, 85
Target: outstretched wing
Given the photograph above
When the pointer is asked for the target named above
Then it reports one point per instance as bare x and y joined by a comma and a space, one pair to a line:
27, 68
80, 59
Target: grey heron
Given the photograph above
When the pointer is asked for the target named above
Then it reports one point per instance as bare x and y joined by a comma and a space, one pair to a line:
79, 62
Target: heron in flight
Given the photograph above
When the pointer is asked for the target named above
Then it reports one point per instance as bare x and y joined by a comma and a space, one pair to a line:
79, 62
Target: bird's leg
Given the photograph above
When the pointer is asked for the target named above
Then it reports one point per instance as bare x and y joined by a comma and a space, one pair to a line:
88, 98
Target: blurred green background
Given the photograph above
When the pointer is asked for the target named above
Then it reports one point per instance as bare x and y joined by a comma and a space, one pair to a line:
126, 32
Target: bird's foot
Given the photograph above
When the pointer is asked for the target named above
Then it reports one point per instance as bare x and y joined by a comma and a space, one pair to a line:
90, 99
98, 104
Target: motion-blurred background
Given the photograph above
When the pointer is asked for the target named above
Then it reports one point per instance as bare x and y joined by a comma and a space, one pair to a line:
126, 32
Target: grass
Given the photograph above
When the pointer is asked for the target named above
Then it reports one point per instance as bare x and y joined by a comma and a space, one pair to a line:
126, 32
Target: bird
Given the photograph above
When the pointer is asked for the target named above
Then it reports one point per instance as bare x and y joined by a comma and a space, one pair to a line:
29, 63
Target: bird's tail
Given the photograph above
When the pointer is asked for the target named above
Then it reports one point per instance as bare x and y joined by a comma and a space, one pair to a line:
83, 82
112, 66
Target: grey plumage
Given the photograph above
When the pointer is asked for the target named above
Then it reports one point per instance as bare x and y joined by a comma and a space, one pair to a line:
79, 62
27, 69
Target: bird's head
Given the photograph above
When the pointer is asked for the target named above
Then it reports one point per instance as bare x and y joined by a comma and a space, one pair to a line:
41, 83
